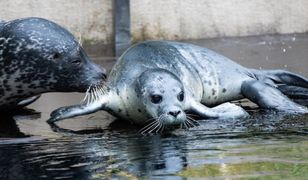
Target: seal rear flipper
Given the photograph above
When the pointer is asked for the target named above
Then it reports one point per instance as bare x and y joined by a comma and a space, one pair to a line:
269, 97
295, 93
225, 111
280, 77
73, 111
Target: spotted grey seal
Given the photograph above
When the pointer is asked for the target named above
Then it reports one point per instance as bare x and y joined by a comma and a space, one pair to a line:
37, 56
161, 80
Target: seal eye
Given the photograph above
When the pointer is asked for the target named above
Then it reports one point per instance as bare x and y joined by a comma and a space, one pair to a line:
76, 61
156, 99
181, 96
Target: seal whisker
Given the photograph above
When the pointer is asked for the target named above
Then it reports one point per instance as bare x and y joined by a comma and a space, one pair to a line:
189, 123
156, 126
188, 119
160, 118
103, 89
182, 125
192, 115
192, 121
91, 95
185, 125
86, 98
163, 127
152, 126
97, 96
147, 127
95, 93
158, 129
99, 90
89, 98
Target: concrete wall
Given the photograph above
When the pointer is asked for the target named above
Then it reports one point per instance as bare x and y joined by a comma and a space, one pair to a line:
193, 19
168, 19
90, 19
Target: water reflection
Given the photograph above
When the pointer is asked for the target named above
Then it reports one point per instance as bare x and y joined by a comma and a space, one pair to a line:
96, 156
8, 126
116, 152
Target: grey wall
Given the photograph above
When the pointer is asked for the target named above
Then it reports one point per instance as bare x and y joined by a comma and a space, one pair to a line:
168, 19
90, 19
191, 19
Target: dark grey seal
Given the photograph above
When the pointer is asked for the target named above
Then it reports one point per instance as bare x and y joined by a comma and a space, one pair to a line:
38, 56
157, 81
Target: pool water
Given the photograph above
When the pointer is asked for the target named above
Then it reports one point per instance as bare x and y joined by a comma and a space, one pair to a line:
267, 145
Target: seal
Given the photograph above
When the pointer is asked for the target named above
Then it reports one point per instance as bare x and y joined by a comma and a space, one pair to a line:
161, 80
38, 56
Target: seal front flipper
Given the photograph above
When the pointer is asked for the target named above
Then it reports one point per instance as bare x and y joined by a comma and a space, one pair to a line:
28, 101
268, 97
75, 110
225, 110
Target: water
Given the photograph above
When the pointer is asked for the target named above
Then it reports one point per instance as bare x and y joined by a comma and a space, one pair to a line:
267, 145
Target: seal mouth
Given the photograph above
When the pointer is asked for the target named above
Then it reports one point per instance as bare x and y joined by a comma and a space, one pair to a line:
158, 125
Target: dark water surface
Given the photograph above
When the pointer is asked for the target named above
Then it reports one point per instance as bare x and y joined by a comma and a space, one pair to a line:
265, 146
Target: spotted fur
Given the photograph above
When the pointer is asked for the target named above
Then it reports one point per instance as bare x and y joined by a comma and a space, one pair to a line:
37, 56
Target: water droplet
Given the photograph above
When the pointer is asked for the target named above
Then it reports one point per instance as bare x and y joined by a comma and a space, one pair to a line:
284, 50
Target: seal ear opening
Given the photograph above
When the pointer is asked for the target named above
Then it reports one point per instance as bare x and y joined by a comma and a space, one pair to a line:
56, 56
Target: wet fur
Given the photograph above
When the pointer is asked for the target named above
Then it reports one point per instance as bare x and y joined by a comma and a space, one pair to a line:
208, 79
37, 56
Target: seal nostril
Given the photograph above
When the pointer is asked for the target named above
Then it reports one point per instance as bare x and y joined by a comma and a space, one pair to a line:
174, 113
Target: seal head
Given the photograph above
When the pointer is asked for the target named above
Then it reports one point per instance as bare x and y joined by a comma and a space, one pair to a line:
162, 95
38, 56
44, 55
